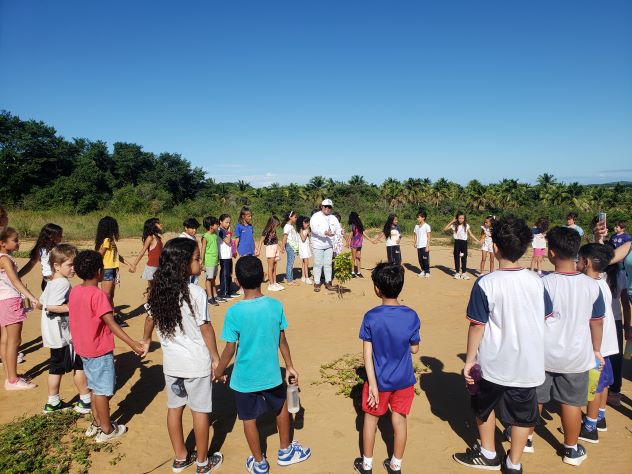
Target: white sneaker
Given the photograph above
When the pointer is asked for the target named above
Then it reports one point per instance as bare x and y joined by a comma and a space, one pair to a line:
279, 287
465, 276
427, 275
92, 430
20, 384
118, 430
421, 275
457, 276
272, 288
309, 281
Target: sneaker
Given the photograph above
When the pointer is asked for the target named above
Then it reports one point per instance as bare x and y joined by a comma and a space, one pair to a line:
358, 467
614, 399
92, 430
528, 448
61, 406
359, 275
508, 470
279, 287
427, 275
213, 302
272, 288
353, 275
179, 466
457, 276
309, 281
589, 436
235, 295
575, 456
214, 462
117, 430
257, 467
601, 425
295, 453
20, 384
465, 276
474, 458
220, 299
421, 275
389, 469
83, 408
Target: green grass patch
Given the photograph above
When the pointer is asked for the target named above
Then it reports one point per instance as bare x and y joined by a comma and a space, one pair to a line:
48, 444
347, 373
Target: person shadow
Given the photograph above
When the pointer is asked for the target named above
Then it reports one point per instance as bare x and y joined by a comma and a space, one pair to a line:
138, 311
447, 270
31, 346
384, 425
412, 268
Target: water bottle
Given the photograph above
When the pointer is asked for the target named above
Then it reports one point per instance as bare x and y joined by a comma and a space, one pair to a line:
477, 374
293, 400
627, 354
593, 381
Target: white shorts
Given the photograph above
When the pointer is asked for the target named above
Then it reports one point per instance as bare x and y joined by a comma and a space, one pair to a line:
148, 273
211, 272
272, 251
304, 252
198, 393
487, 247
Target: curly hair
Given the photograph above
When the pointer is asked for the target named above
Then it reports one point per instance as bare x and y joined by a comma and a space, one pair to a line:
170, 287
512, 236
49, 236
106, 229
87, 264
150, 228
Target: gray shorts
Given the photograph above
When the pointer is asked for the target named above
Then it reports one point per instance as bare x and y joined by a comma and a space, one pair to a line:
148, 273
569, 389
211, 272
198, 393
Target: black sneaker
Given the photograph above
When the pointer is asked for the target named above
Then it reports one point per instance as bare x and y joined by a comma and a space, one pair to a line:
220, 299
387, 466
61, 406
474, 458
213, 301
359, 467
528, 448
590, 436
508, 470
179, 466
601, 425
575, 457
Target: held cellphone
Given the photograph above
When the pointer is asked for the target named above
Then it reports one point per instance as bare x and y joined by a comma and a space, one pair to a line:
601, 217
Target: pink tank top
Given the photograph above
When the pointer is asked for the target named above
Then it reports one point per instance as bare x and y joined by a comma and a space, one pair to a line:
7, 290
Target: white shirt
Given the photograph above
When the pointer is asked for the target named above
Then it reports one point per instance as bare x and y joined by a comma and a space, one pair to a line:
225, 250
55, 332
186, 355
461, 232
609, 343
393, 239
187, 236
512, 304
292, 235
47, 271
422, 231
319, 224
539, 241
577, 299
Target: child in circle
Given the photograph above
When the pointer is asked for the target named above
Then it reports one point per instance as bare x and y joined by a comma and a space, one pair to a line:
304, 248
290, 244
49, 236
152, 244
210, 257
179, 311
460, 232
244, 233
487, 246
271, 242
355, 242
539, 244
393, 236
421, 241
225, 242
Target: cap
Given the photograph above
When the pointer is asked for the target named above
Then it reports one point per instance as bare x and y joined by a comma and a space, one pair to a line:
327, 202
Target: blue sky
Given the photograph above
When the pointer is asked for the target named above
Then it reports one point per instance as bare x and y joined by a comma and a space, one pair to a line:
281, 91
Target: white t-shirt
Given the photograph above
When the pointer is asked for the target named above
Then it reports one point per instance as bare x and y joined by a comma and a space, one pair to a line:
187, 236
47, 271
609, 343
393, 239
577, 299
186, 355
422, 231
461, 232
513, 305
292, 235
55, 332
539, 241
225, 250
319, 224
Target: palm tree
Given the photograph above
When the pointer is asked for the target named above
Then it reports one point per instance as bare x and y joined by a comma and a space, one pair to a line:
393, 192
476, 196
357, 181
317, 189
243, 186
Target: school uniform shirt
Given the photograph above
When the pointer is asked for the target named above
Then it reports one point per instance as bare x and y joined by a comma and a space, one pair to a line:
391, 330
393, 238
422, 231
255, 325
460, 233
90, 335
577, 299
225, 250
185, 355
245, 234
513, 305
609, 343
55, 331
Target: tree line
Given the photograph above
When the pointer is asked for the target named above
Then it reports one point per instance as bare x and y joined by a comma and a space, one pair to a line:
42, 170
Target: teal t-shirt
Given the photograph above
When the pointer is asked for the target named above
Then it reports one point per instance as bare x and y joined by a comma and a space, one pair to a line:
256, 326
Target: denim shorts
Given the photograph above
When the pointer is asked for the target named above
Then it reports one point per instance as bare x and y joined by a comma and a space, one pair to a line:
109, 274
100, 374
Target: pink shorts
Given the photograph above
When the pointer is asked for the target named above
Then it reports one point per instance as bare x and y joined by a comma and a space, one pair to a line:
11, 311
539, 252
272, 251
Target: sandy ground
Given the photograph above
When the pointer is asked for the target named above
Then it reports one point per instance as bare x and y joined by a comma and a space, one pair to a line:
322, 328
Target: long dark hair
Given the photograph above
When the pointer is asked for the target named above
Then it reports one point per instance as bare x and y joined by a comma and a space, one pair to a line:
150, 228
170, 287
354, 220
299, 222
543, 224
271, 225
106, 229
456, 224
49, 236
287, 217
389, 225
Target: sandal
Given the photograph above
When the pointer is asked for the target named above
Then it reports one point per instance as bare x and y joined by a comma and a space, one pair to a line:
316, 288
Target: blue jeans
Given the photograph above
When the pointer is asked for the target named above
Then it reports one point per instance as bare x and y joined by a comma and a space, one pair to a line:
322, 258
291, 255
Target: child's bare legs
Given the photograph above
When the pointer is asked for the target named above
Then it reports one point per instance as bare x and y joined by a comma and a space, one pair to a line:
572, 423
483, 261
400, 431
10, 340
108, 287
200, 428
283, 427
101, 412
271, 275
54, 381
491, 261
486, 431
368, 434
176, 435
358, 259
604, 400
592, 409
252, 437
533, 260
81, 382
210, 287
305, 268
519, 436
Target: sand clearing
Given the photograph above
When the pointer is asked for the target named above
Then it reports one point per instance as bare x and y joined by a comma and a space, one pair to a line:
322, 328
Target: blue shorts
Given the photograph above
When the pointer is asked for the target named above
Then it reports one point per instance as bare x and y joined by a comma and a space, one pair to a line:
251, 405
100, 374
607, 377
109, 274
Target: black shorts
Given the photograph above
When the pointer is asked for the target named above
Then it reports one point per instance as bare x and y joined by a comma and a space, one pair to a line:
64, 360
252, 405
513, 405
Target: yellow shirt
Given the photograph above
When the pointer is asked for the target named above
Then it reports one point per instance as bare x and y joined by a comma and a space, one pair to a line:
110, 257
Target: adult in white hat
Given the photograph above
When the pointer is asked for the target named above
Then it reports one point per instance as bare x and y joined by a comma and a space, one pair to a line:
323, 226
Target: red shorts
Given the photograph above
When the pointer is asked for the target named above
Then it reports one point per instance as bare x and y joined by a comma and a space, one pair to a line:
400, 401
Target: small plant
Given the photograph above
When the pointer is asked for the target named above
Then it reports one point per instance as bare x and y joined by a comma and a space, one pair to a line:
48, 444
343, 268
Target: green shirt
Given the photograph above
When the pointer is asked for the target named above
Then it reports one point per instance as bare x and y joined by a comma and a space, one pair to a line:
211, 252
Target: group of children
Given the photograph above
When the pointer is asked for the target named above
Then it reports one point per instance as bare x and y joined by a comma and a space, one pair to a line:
530, 339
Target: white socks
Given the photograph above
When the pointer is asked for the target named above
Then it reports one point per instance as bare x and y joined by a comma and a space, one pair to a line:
511, 465
574, 447
488, 454
367, 463
396, 464
54, 400
85, 398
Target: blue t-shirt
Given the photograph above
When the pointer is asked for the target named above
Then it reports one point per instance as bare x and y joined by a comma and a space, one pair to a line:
619, 239
392, 330
245, 234
256, 325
